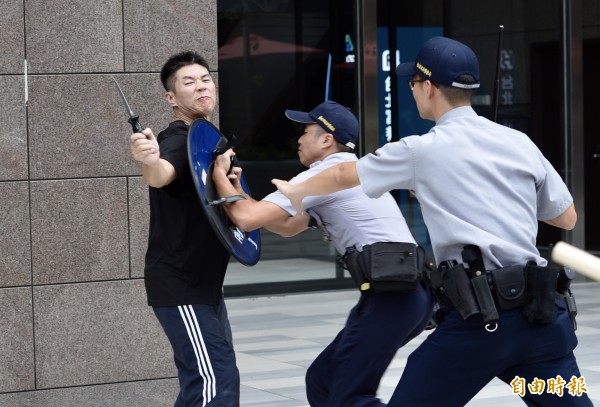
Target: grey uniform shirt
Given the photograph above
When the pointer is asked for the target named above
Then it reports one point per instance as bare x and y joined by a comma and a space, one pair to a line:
350, 217
477, 182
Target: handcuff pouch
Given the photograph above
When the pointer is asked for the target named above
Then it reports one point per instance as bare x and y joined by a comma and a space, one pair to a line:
509, 287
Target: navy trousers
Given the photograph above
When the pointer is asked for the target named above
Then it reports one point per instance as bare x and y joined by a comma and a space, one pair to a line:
460, 357
201, 339
348, 371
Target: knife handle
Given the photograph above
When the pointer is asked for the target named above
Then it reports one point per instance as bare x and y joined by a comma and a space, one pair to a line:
135, 124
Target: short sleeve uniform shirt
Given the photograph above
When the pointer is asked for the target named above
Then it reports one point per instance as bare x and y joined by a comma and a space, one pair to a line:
350, 217
477, 182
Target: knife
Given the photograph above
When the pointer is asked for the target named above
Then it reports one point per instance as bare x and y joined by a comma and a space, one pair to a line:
133, 117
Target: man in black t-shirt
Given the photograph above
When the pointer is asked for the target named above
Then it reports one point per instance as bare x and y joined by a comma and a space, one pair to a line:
185, 261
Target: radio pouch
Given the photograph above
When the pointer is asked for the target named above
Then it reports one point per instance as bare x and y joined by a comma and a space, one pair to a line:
456, 286
541, 287
509, 287
392, 266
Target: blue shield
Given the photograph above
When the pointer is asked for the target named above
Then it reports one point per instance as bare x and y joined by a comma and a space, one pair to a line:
204, 142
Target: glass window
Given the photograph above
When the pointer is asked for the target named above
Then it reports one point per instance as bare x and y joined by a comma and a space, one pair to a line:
287, 54
277, 55
527, 91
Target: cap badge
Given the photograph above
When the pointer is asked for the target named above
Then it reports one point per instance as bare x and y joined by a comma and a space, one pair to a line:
326, 123
421, 68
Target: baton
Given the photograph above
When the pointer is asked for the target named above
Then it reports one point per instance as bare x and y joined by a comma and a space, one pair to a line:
133, 117
577, 259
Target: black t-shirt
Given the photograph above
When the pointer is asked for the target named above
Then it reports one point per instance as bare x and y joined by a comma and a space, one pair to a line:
185, 260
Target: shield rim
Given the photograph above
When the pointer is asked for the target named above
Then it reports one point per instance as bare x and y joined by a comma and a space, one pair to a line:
212, 213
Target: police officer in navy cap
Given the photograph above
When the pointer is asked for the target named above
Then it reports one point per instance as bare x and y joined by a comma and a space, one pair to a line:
348, 371
482, 188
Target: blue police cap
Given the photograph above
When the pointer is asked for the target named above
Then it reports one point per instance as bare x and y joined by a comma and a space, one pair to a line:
334, 118
442, 60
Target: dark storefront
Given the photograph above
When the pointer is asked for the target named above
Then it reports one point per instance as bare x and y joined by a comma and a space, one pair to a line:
276, 55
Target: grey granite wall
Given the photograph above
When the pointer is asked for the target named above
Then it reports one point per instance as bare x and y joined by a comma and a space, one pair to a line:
74, 215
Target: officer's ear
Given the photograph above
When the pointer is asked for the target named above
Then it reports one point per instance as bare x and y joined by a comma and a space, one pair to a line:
328, 140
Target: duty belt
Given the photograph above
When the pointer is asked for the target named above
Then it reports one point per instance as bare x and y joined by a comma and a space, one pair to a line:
475, 291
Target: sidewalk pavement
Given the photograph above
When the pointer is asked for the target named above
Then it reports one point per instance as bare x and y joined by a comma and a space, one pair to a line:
277, 337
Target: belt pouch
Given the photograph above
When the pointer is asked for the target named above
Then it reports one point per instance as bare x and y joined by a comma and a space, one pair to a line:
456, 286
541, 287
392, 266
351, 259
509, 287
484, 297
354, 268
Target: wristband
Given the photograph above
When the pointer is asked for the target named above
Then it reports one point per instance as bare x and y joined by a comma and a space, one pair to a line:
229, 199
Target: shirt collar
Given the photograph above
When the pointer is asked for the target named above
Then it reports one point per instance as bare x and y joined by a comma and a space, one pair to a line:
461, 111
340, 157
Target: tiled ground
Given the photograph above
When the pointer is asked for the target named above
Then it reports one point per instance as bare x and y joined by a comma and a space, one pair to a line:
276, 339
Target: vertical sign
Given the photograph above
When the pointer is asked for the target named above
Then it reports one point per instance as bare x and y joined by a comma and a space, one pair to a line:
507, 65
384, 88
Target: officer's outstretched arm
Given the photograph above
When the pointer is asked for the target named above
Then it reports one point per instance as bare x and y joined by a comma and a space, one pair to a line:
247, 214
290, 226
333, 179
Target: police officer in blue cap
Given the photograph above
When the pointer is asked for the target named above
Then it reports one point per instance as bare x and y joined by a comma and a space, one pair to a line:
482, 189
348, 371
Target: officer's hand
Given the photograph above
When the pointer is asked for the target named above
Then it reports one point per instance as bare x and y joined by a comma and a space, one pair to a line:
223, 161
144, 147
234, 176
289, 191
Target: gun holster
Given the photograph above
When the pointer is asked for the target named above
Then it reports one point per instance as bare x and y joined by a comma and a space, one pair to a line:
456, 287
469, 292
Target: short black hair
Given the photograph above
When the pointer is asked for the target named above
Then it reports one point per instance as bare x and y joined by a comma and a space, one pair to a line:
456, 95
466, 79
177, 61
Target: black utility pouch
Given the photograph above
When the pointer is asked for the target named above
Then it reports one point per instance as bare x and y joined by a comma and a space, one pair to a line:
392, 266
541, 288
509, 287
456, 286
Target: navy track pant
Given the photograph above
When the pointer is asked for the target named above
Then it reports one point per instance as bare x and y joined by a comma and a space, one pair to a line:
200, 336
348, 371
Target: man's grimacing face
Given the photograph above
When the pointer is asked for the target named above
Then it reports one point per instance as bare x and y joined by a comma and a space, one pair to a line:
194, 92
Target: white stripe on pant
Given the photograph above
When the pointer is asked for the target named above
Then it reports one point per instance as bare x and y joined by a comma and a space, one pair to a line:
204, 366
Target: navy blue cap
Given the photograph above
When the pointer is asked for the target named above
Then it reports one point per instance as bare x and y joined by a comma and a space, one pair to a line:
442, 60
334, 118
